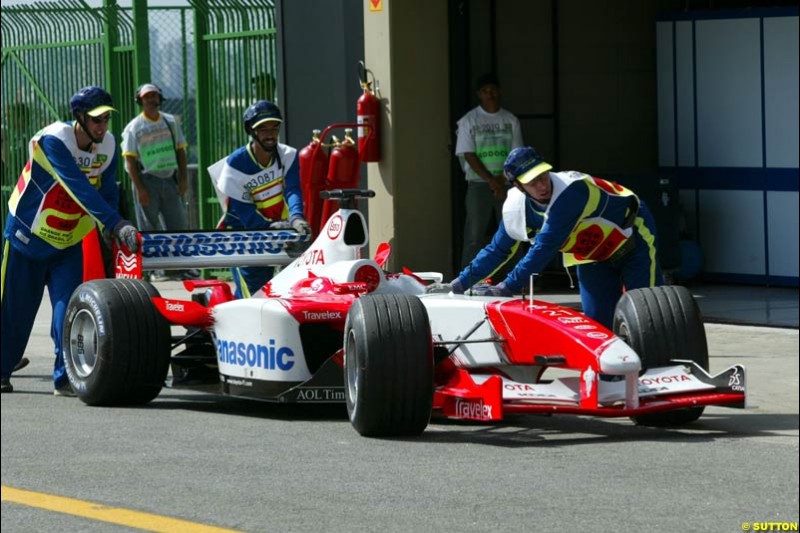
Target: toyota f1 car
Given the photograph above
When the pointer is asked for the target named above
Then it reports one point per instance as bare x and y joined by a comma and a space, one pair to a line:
334, 327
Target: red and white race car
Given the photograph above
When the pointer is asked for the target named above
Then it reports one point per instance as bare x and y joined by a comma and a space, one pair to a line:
333, 327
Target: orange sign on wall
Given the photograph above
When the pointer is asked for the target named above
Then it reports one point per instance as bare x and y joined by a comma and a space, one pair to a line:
375, 6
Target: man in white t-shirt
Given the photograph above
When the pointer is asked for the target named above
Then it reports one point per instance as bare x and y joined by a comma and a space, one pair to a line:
486, 135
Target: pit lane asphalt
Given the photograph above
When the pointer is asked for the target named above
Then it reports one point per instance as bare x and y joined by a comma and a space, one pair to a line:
260, 467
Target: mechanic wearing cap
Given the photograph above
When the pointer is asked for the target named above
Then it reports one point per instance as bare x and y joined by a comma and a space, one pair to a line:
258, 185
485, 136
600, 226
67, 187
154, 149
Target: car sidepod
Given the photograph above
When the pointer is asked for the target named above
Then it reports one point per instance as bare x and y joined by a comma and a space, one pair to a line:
259, 350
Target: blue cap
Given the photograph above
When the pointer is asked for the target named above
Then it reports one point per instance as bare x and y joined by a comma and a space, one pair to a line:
524, 165
259, 112
91, 100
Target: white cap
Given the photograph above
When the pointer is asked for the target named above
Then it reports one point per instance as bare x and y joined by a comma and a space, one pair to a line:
147, 88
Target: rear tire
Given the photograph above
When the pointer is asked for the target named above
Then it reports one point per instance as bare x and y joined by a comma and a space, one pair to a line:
116, 343
660, 324
388, 366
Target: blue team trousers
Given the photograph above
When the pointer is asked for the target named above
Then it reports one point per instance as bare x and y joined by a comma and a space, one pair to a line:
23, 283
601, 284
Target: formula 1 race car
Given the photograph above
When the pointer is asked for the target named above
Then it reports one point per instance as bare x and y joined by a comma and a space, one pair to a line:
333, 327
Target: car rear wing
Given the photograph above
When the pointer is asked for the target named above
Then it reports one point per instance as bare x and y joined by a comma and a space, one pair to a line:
278, 246
209, 249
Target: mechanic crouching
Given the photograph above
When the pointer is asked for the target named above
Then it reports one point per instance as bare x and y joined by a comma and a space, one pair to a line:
600, 226
67, 186
259, 187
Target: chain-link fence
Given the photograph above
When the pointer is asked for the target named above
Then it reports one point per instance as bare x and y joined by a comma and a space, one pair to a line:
170, 34
172, 66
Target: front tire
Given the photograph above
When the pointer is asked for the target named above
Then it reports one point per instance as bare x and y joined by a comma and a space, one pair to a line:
388, 366
660, 324
116, 343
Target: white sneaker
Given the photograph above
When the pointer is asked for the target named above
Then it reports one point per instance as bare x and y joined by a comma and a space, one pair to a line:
66, 391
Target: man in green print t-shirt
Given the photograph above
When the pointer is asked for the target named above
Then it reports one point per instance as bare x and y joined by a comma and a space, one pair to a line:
486, 135
154, 149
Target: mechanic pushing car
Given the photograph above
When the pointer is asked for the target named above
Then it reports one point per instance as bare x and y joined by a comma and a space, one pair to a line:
494, 256
259, 187
67, 187
599, 225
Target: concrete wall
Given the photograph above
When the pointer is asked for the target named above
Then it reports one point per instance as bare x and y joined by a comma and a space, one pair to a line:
406, 49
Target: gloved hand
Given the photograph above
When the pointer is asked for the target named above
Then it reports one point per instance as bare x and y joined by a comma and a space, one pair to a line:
126, 234
439, 288
278, 225
454, 286
493, 290
300, 225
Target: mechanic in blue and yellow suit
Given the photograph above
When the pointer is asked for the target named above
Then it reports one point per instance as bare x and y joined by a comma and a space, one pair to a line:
600, 226
67, 187
258, 186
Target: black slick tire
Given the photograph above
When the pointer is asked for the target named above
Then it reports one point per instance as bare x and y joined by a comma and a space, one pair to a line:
388, 374
116, 344
660, 324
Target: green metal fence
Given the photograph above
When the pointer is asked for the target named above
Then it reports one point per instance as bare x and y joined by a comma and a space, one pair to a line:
212, 59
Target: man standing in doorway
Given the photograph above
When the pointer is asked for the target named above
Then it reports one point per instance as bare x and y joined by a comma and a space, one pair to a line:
486, 135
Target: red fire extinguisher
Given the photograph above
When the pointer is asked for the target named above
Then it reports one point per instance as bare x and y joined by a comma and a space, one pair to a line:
313, 169
344, 172
368, 111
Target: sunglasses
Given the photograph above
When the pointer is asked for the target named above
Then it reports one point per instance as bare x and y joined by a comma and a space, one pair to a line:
100, 120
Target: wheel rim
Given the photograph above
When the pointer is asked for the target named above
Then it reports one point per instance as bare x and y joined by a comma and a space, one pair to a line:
351, 367
83, 343
624, 334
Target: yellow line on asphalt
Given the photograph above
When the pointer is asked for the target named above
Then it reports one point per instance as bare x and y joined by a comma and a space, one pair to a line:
105, 513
